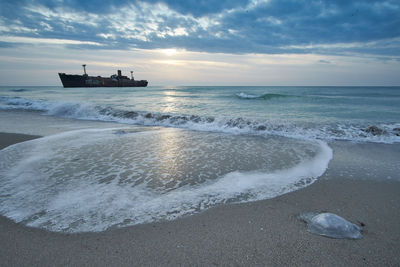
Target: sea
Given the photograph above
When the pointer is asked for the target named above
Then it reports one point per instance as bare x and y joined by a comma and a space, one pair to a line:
116, 157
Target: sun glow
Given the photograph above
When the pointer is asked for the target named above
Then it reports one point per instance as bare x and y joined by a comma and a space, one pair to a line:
169, 52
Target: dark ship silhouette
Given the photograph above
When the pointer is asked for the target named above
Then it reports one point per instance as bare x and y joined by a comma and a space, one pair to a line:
115, 80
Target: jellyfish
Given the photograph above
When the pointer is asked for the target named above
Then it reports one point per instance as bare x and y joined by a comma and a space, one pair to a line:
331, 225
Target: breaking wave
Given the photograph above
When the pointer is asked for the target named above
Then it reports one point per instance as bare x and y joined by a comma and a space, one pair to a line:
380, 133
263, 96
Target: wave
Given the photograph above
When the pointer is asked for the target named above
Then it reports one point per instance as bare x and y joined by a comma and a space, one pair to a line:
18, 90
262, 96
23, 103
81, 184
379, 133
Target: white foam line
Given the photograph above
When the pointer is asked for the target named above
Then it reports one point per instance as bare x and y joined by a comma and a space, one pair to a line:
88, 111
83, 205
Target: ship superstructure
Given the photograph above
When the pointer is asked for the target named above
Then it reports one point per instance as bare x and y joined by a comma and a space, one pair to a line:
115, 80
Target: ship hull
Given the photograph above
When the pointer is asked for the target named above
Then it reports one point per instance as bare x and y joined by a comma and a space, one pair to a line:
71, 80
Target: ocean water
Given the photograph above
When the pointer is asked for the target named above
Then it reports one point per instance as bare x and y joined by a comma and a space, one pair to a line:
113, 157
328, 113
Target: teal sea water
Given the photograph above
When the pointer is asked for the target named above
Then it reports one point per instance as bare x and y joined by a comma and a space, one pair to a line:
339, 113
114, 157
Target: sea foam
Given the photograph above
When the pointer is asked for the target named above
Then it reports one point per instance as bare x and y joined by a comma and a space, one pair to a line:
267, 96
91, 180
387, 132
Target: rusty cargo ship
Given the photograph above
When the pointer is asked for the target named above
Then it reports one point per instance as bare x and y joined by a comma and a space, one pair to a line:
115, 80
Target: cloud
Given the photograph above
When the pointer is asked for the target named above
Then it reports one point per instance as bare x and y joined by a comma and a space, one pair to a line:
323, 61
46, 41
31, 66
235, 26
201, 8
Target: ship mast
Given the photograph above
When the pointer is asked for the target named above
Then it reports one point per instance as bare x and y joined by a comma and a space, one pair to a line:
84, 68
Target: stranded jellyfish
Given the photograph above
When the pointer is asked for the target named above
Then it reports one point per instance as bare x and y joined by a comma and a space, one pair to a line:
330, 225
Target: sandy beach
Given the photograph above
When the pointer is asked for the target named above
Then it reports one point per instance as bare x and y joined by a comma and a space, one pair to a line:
200, 133
263, 233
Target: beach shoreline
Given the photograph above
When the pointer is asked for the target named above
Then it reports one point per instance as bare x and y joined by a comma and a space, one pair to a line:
266, 232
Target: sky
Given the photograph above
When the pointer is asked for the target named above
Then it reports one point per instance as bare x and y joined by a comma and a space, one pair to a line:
200, 42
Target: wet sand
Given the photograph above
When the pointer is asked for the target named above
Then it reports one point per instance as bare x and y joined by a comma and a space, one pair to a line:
260, 233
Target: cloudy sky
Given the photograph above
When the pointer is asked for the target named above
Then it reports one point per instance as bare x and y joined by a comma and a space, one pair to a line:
200, 42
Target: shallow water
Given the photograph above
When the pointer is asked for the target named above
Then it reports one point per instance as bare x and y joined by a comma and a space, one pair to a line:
90, 180
329, 113
113, 157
